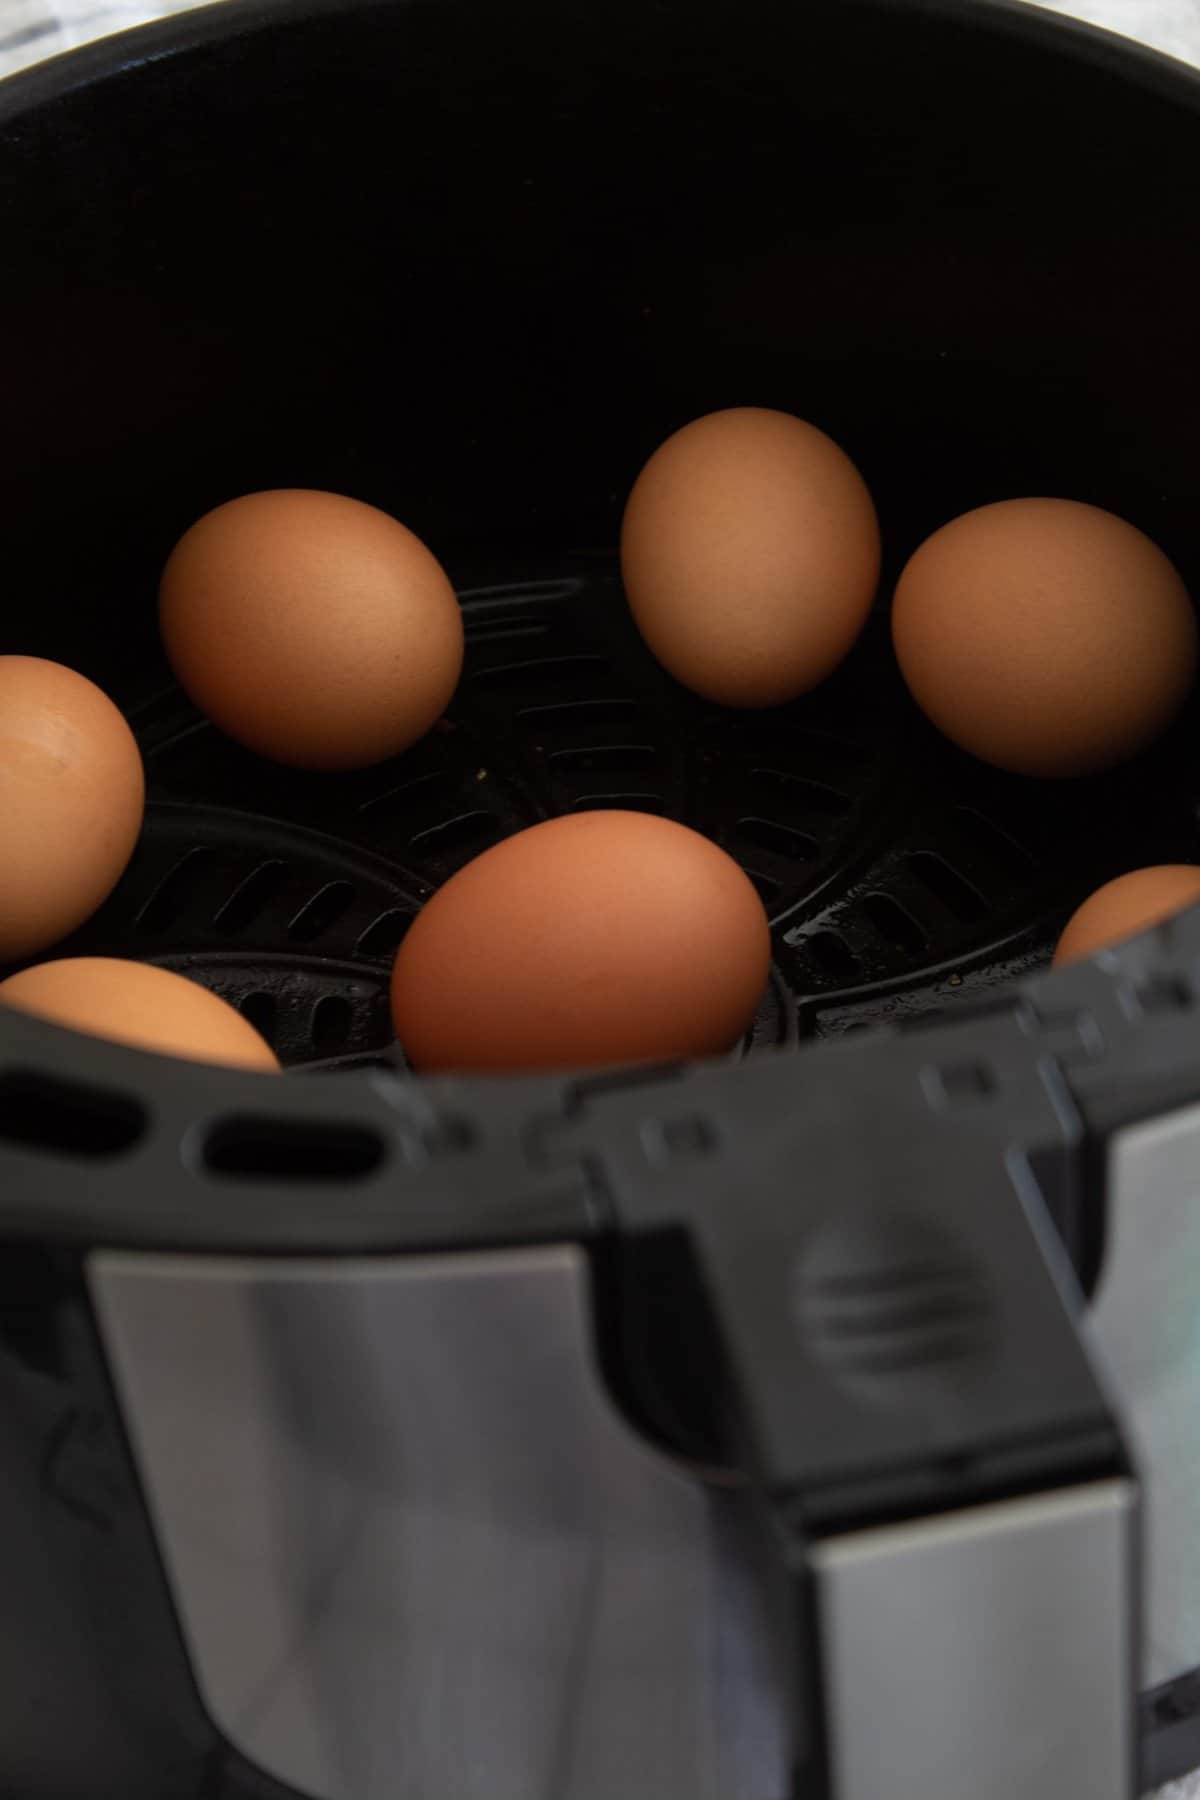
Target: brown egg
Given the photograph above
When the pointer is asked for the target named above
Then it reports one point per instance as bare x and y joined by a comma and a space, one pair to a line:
1122, 908
750, 554
313, 629
1044, 636
602, 937
72, 794
136, 1003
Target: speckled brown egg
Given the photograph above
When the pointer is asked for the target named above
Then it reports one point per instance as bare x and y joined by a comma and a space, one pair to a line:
601, 937
139, 1004
1045, 636
1122, 908
314, 629
72, 794
750, 556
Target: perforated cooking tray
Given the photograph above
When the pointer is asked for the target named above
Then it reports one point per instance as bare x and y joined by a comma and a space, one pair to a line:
899, 876
731, 1432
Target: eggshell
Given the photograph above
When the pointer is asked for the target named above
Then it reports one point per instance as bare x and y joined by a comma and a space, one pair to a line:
314, 629
601, 937
72, 795
137, 1003
750, 555
1122, 908
1045, 636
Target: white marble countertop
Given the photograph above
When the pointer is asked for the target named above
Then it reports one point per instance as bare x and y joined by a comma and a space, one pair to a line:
33, 29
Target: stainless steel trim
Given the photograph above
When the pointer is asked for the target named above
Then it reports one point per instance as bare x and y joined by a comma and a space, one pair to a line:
987, 1653
1145, 1321
417, 1553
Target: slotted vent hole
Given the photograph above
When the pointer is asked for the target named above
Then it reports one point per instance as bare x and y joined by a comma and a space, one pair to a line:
547, 671
820, 749
959, 896
832, 955
67, 1118
248, 901
170, 899
332, 1023
894, 925
585, 712
768, 888
801, 791
251, 1148
399, 793
648, 803
454, 837
779, 840
321, 912
605, 757
260, 1010
983, 833
494, 627
382, 939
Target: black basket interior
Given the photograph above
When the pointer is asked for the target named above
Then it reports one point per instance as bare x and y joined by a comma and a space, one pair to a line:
898, 874
473, 266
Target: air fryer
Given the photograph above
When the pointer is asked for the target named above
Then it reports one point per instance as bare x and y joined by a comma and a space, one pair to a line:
816, 1424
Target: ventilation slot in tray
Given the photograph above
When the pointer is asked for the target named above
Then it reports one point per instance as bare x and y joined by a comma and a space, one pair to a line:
778, 840
955, 892
332, 1023
260, 1009
982, 833
578, 712
382, 939
894, 925
832, 955
65, 1118
461, 836
321, 912
547, 671
282, 1149
248, 901
171, 898
647, 803
605, 757
799, 790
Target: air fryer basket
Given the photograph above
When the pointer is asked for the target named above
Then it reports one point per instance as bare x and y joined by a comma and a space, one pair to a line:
472, 263
899, 875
